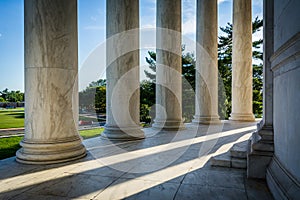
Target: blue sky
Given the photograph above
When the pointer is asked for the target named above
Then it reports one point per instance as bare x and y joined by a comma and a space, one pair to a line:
91, 27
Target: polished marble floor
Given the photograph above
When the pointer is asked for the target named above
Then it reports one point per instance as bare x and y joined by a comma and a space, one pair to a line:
165, 165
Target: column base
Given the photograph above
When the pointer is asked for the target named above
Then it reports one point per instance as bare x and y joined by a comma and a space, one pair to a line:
242, 117
206, 119
170, 125
123, 133
50, 152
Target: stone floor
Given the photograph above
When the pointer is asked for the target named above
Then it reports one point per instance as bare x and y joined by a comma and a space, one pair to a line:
165, 165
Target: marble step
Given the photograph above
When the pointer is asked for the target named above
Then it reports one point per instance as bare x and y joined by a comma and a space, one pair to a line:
239, 150
236, 157
225, 160
239, 163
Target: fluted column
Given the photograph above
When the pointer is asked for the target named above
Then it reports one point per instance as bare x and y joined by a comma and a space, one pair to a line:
122, 72
168, 65
51, 86
242, 61
207, 63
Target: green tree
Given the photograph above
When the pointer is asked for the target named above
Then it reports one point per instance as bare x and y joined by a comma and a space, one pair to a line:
12, 96
100, 82
4, 93
93, 98
147, 100
188, 67
100, 99
188, 81
225, 74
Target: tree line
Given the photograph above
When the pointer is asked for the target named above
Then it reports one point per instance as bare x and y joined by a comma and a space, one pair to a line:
11, 96
93, 97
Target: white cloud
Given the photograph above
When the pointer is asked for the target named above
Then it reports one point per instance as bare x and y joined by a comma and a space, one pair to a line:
221, 1
258, 35
189, 26
257, 3
0, 35
189, 17
151, 1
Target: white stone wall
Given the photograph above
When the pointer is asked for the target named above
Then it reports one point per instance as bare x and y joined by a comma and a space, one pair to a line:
286, 68
283, 175
287, 22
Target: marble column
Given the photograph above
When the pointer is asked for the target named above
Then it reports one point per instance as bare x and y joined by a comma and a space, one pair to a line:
168, 66
122, 72
207, 63
51, 86
242, 61
262, 141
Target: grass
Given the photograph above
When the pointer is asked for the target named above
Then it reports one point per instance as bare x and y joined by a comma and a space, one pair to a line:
83, 118
9, 146
85, 134
12, 118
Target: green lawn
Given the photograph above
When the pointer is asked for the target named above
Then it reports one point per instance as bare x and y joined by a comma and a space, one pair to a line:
12, 118
85, 134
9, 146
88, 119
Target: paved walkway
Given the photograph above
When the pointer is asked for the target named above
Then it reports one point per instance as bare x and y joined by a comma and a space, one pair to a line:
165, 165
12, 132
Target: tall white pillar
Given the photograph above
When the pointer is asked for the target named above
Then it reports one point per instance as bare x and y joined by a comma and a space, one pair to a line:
242, 61
51, 86
207, 63
262, 146
168, 65
122, 72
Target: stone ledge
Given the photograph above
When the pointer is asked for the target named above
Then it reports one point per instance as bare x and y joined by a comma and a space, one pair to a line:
238, 163
225, 160
239, 150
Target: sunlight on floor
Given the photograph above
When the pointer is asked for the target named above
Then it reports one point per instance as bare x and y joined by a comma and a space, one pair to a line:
122, 190
164, 174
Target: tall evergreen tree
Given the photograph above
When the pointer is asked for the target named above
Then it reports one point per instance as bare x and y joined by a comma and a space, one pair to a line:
225, 76
188, 81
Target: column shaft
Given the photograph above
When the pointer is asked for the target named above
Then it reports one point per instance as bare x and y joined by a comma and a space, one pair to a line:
122, 72
267, 72
51, 86
168, 65
242, 61
207, 63
262, 146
